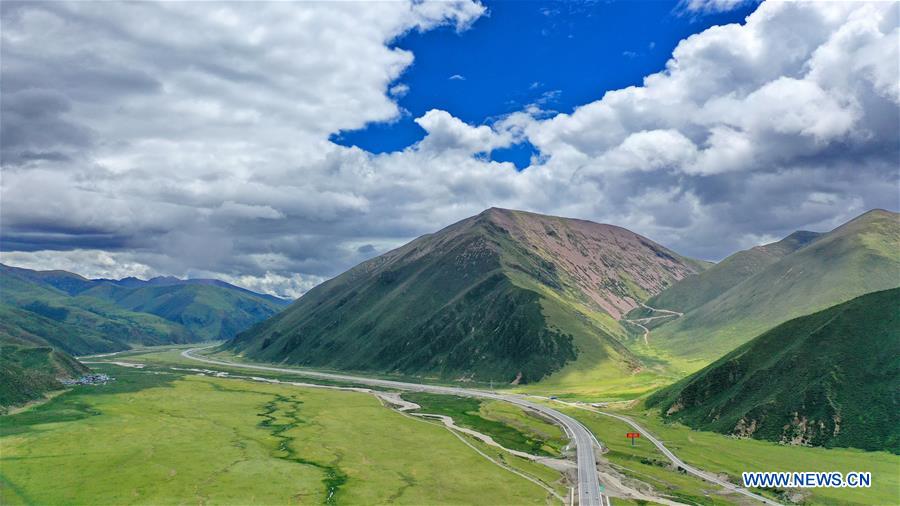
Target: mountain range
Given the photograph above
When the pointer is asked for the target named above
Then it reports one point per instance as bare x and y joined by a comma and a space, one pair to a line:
517, 297
101, 315
48, 316
778, 337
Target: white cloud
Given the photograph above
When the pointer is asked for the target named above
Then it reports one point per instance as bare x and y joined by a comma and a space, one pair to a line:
711, 6
446, 133
290, 286
88, 263
457, 77
192, 138
649, 150
399, 90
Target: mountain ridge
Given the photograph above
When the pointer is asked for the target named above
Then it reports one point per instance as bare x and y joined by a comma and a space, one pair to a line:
82, 316
858, 257
73, 283
508, 295
696, 290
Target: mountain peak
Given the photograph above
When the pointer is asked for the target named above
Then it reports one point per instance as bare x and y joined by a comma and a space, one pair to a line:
875, 215
484, 297
791, 243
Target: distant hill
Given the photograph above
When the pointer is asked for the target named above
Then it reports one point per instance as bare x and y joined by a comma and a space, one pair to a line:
504, 295
83, 316
80, 325
858, 257
827, 379
48, 316
74, 284
694, 291
206, 311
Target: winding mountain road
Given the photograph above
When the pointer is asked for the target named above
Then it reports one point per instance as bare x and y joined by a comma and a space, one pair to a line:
588, 481
641, 321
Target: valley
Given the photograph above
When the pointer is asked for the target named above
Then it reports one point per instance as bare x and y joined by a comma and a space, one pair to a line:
206, 437
450, 253
499, 360
273, 425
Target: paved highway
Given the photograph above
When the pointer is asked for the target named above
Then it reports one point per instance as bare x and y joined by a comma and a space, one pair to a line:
588, 482
677, 461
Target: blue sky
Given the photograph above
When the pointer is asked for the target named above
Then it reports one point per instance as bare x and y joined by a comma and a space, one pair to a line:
557, 55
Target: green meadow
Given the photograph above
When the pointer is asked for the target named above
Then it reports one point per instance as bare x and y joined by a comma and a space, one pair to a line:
156, 436
507, 424
731, 456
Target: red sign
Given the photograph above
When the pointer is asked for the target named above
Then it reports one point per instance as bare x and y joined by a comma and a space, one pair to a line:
633, 434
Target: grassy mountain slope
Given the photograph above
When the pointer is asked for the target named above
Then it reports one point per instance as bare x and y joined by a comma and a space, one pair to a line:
827, 379
47, 315
694, 291
505, 295
858, 257
81, 325
206, 311
29, 365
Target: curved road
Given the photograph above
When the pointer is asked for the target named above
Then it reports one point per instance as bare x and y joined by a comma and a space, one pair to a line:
677, 461
588, 481
641, 321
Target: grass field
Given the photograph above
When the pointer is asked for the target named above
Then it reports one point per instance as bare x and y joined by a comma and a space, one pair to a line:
527, 422
730, 456
159, 437
549, 477
508, 425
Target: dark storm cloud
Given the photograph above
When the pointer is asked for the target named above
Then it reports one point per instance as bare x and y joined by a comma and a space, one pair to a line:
35, 127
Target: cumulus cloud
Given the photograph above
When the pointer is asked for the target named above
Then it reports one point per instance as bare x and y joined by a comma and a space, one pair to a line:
446, 133
192, 138
789, 114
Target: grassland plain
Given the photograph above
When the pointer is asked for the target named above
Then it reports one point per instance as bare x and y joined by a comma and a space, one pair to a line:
731, 456
552, 435
549, 477
156, 436
508, 426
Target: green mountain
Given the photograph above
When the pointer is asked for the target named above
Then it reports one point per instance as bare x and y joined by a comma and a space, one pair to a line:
80, 325
859, 257
82, 316
827, 379
505, 295
29, 365
48, 316
694, 291
207, 312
